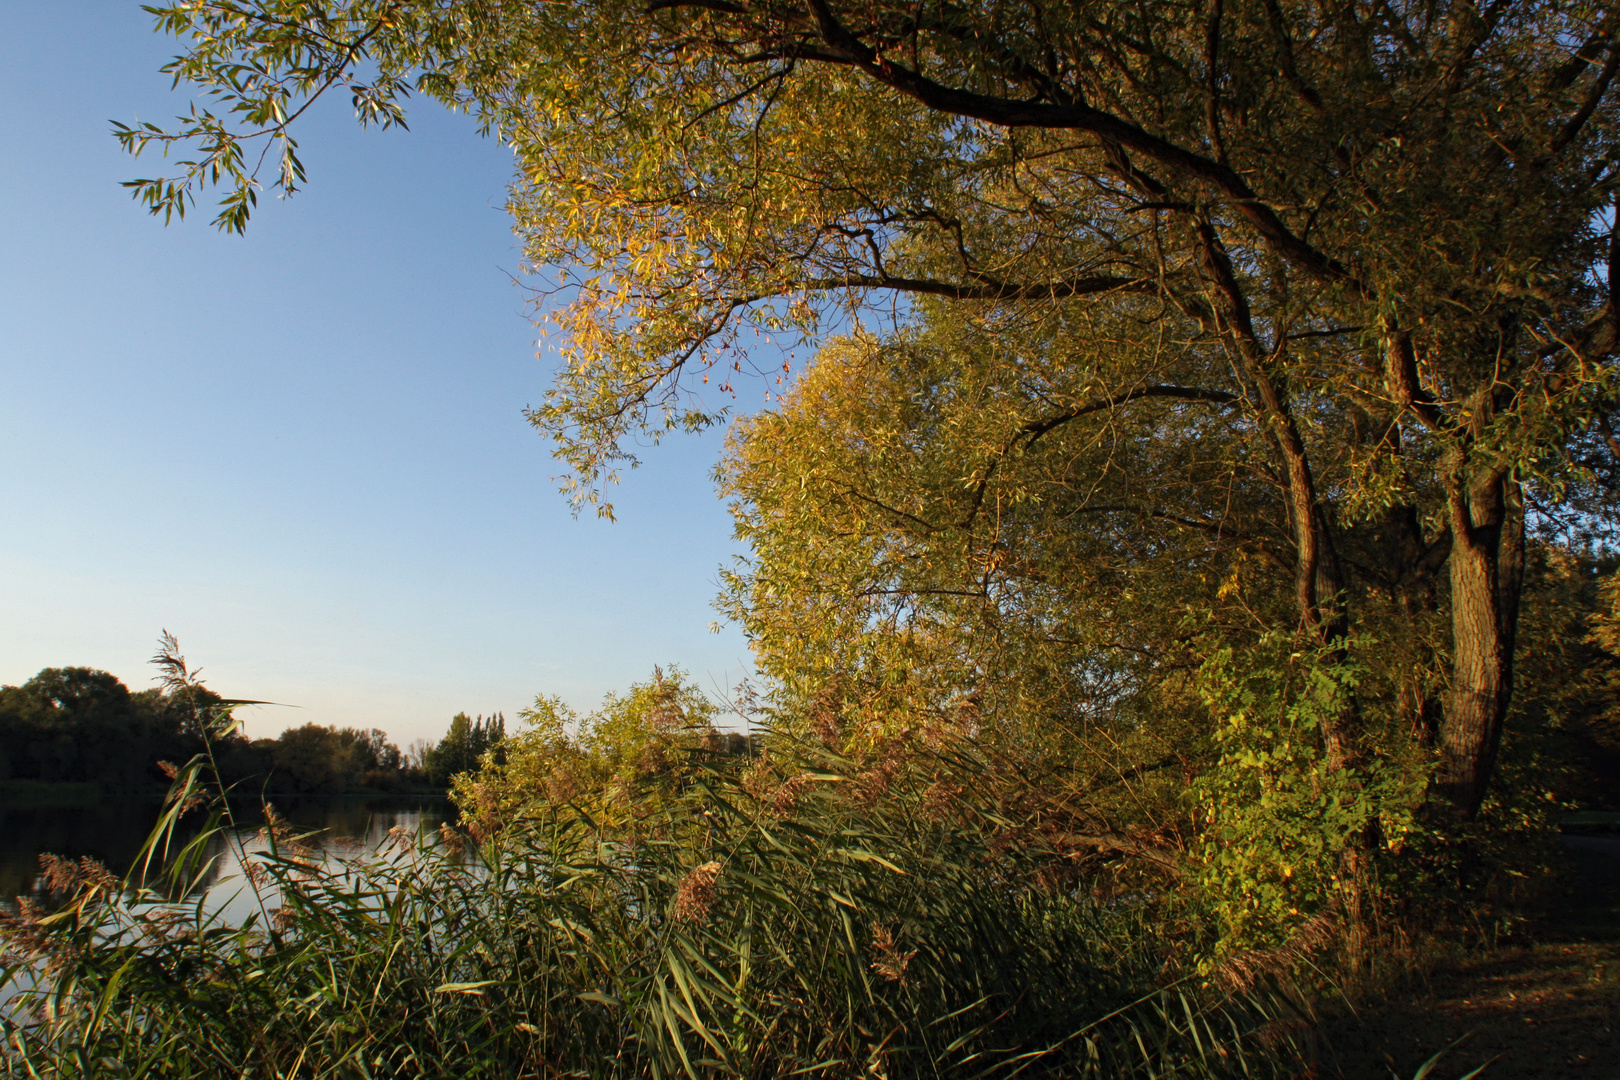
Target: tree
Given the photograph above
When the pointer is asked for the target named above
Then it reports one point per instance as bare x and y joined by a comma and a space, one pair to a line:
463, 746
1059, 602
315, 758
71, 723
310, 757
81, 724
1371, 241
618, 760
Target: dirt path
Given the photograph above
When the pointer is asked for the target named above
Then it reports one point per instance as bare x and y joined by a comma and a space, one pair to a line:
1549, 1008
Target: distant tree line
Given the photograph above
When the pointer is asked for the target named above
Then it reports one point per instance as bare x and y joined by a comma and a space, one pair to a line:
77, 724
461, 749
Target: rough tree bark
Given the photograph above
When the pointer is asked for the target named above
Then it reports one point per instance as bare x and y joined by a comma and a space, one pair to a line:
1487, 572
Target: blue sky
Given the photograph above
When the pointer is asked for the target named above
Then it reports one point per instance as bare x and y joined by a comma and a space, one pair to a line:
303, 451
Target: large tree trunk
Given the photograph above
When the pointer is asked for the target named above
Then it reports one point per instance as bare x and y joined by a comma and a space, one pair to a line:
1487, 571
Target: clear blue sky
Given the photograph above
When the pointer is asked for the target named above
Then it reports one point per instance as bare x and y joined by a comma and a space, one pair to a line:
302, 451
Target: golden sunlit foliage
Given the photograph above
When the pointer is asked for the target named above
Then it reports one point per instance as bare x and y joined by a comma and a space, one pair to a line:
1222, 368
610, 761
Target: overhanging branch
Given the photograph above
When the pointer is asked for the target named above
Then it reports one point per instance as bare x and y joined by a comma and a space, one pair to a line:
1032, 431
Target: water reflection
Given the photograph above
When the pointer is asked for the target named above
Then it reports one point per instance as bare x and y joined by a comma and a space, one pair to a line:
112, 832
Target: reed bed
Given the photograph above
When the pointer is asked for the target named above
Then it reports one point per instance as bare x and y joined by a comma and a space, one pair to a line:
806, 925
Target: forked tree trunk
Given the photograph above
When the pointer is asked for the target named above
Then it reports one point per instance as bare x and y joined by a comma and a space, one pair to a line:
1487, 571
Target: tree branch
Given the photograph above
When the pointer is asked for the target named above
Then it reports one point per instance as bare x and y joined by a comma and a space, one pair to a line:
844, 47
1594, 97
1037, 428
1033, 430
1400, 377
990, 289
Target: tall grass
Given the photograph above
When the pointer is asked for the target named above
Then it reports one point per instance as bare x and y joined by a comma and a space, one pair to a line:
763, 922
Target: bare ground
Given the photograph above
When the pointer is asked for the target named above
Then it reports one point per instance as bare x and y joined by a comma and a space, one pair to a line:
1548, 1007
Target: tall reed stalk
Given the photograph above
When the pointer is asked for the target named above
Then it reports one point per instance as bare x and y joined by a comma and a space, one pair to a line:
763, 922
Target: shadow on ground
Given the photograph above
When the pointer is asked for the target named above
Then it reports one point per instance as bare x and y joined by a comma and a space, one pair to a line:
1549, 1008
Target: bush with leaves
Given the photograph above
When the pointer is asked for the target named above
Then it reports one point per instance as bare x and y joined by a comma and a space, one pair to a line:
1286, 837
619, 759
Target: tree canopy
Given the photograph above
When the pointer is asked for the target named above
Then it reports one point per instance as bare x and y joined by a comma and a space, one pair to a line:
1195, 336
78, 724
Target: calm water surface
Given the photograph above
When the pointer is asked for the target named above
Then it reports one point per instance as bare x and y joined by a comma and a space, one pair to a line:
113, 832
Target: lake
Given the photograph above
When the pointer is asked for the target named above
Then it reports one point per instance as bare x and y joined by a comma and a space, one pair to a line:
113, 831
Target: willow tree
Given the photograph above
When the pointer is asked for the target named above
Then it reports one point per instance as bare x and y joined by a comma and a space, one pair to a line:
1391, 219
943, 521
